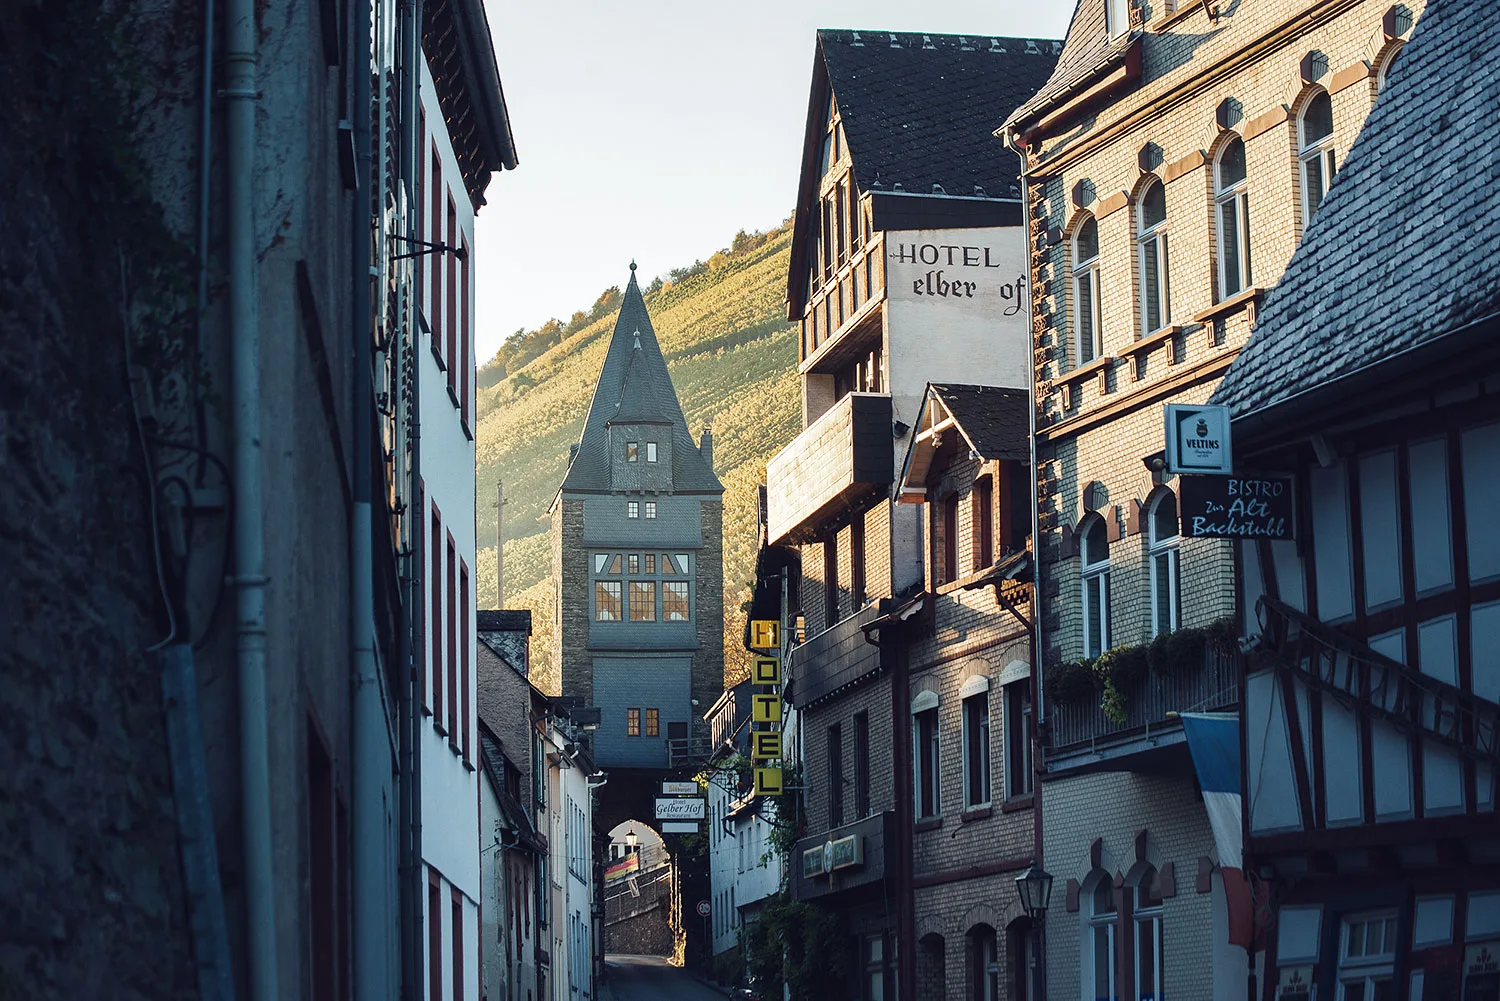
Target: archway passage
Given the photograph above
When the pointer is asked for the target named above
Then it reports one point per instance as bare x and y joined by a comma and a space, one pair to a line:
641, 901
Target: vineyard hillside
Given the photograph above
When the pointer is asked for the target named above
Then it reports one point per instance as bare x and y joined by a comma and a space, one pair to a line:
733, 359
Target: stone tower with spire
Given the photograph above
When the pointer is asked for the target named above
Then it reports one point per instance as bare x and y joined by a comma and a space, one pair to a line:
637, 556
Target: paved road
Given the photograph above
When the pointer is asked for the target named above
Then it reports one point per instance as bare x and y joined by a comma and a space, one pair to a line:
651, 978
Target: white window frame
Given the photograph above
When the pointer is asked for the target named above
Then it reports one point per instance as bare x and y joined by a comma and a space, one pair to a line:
1320, 151
650, 451
1152, 915
1095, 614
1085, 275
632, 509
1011, 724
1366, 969
1098, 924
936, 776
651, 510
983, 764
1386, 64
1148, 239
1117, 17
1165, 550
1232, 205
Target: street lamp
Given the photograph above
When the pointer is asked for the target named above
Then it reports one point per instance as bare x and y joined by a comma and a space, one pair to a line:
631, 839
1035, 887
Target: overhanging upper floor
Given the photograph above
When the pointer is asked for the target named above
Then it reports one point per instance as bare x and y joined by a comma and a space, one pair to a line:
842, 461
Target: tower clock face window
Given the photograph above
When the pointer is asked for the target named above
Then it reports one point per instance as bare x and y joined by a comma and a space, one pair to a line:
650, 451
632, 451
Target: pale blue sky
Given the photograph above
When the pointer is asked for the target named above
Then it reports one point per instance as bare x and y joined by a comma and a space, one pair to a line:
654, 130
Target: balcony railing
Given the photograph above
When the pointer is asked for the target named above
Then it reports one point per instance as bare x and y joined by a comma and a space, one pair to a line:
1081, 726
843, 458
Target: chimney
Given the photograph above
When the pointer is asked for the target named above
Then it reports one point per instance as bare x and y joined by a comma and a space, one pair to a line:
572, 452
706, 446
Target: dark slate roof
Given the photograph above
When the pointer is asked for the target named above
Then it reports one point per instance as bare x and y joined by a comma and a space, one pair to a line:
507, 633
1405, 249
995, 421
1087, 49
614, 393
921, 109
504, 620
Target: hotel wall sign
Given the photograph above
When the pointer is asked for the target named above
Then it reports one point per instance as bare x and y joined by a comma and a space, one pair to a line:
1198, 439
1237, 507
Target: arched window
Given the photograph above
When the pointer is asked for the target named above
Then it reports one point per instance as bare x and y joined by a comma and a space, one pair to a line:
1151, 253
1095, 588
1232, 207
984, 963
1165, 573
1315, 152
1148, 941
1385, 67
1100, 945
1086, 291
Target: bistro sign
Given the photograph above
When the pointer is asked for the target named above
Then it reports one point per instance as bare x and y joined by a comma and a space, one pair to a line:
1237, 507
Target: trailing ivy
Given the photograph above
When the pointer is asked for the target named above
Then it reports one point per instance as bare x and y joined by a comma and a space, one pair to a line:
798, 945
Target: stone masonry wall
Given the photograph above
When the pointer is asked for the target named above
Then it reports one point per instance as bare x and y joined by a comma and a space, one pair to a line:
570, 640
708, 615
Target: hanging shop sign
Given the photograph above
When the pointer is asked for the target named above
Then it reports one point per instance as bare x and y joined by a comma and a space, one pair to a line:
766, 671
765, 745
768, 782
765, 708
679, 788
684, 808
1237, 507
679, 827
1198, 439
765, 634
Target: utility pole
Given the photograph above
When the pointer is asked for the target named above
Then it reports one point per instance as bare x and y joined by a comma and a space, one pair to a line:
499, 543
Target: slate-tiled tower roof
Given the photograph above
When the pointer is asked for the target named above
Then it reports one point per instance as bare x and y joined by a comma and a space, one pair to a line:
1403, 250
635, 387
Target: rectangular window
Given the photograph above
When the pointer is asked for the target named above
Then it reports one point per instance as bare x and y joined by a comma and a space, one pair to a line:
650, 562
674, 600
463, 651
632, 451
983, 499
435, 616
643, 601
1367, 953
632, 509
830, 580
633, 563
1156, 309
632, 722
607, 601
450, 313
977, 749
466, 367
925, 742
452, 580
857, 560
949, 552
874, 964
651, 510
434, 936
435, 260
650, 451
1018, 739
835, 776
653, 722
458, 945
861, 765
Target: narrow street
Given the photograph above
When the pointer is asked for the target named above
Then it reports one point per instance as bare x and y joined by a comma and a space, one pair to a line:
651, 978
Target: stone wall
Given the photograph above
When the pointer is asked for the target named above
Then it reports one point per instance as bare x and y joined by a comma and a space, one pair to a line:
708, 614
570, 637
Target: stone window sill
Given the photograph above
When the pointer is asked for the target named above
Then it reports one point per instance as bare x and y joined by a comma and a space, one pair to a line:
1236, 302
1092, 368
1018, 804
929, 824
442, 731
974, 813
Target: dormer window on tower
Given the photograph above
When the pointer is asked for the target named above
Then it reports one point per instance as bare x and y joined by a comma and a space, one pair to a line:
650, 451
632, 451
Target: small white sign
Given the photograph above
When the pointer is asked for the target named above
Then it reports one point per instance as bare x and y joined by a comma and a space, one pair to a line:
679, 827
703, 909
1198, 439
679, 788
686, 808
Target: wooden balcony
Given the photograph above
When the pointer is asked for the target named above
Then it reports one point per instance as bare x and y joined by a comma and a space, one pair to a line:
872, 838
844, 459
1080, 734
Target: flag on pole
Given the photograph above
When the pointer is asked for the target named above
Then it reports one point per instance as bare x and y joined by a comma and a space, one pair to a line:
1213, 739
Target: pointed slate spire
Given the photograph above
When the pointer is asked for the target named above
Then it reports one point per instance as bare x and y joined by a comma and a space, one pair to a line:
634, 386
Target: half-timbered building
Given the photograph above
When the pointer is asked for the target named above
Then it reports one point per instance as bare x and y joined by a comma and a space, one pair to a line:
1173, 162
908, 266
1371, 719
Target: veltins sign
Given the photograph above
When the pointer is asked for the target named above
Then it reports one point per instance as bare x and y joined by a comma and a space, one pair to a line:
687, 808
1198, 439
1237, 507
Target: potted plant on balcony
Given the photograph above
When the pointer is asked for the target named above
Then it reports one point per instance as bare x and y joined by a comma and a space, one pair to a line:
1120, 671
